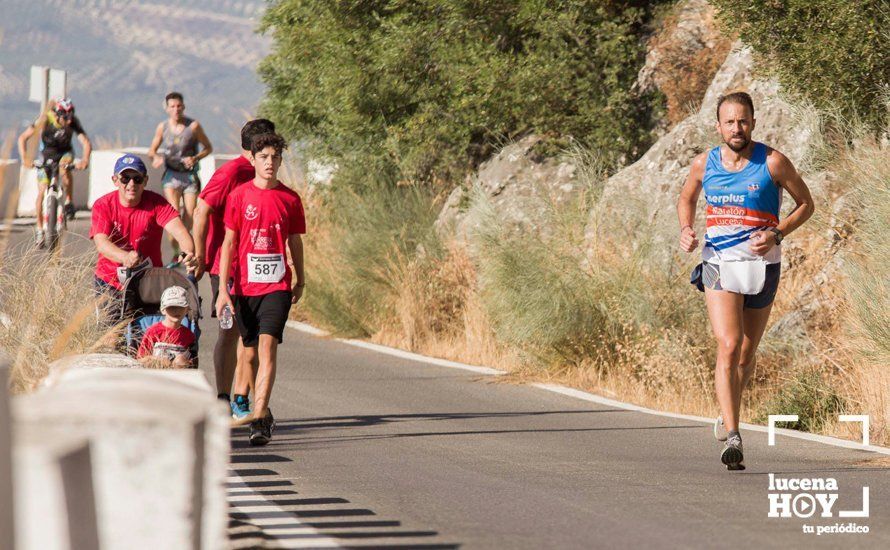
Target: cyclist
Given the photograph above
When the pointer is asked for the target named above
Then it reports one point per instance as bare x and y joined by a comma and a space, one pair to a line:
264, 220
208, 232
56, 127
180, 137
126, 227
743, 182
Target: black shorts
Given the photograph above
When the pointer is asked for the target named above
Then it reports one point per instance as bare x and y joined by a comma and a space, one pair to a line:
266, 314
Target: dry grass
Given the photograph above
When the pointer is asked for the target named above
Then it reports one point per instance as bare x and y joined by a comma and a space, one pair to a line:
440, 313
50, 311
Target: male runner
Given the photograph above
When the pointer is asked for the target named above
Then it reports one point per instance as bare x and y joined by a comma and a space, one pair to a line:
180, 136
127, 225
264, 219
741, 259
208, 232
56, 128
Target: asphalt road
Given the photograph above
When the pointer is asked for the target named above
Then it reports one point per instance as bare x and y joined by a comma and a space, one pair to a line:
377, 451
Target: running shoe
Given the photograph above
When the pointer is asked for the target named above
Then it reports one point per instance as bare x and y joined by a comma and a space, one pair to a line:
270, 420
261, 430
257, 437
69, 211
240, 407
40, 239
720, 433
732, 454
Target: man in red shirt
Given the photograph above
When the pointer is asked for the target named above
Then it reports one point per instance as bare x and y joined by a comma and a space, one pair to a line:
127, 227
264, 219
208, 232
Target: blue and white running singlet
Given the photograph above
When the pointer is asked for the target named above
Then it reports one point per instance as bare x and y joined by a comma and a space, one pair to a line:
739, 203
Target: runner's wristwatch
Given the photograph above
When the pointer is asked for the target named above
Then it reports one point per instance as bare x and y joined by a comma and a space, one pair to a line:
778, 234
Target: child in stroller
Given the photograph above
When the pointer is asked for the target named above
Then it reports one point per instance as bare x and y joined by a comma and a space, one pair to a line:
168, 341
144, 300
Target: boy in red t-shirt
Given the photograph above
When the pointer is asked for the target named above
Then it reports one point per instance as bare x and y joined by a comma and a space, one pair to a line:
168, 341
208, 232
263, 220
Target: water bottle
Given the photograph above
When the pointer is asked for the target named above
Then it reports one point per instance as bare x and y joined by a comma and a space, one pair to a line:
226, 319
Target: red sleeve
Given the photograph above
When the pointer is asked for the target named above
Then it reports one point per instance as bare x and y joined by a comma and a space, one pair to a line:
232, 220
100, 221
297, 218
214, 193
164, 213
148, 342
188, 337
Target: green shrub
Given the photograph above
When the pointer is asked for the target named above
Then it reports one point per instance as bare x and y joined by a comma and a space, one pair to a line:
836, 53
430, 87
807, 395
568, 297
361, 236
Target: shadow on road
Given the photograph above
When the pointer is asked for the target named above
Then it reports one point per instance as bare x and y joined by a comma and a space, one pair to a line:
270, 513
379, 419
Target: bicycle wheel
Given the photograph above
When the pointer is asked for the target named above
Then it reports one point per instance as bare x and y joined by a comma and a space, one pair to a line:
51, 210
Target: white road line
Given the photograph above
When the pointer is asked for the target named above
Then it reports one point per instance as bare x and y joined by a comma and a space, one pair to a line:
753, 427
309, 329
255, 516
586, 396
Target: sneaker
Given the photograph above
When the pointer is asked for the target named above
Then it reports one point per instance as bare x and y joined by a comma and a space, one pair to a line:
720, 433
257, 437
270, 420
40, 239
69, 211
261, 430
240, 408
732, 454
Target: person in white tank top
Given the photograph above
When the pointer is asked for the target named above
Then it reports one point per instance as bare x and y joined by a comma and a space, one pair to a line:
743, 183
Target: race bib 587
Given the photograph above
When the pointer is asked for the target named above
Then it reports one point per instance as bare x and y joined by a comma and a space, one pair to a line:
265, 268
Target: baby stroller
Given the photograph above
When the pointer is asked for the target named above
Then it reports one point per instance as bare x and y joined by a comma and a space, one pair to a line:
142, 302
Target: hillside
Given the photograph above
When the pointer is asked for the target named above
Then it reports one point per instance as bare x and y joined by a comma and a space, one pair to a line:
123, 56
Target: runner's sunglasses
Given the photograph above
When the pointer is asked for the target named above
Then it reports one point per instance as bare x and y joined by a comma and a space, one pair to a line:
137, 179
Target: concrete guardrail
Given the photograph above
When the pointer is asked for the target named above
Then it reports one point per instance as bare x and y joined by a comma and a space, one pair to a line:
116, 458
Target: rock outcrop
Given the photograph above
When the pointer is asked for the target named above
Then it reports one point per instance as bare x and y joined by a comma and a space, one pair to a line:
521, 185
683, 56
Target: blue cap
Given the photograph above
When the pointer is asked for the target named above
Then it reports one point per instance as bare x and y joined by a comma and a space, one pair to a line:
129, 162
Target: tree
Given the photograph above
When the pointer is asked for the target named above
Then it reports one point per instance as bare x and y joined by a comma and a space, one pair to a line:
428, 88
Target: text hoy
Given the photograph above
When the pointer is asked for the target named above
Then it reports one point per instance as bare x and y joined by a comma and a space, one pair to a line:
803, 503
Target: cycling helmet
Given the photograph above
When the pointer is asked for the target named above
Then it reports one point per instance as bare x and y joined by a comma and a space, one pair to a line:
64, 107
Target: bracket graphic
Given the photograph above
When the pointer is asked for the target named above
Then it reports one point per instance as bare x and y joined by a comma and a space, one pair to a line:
771, 425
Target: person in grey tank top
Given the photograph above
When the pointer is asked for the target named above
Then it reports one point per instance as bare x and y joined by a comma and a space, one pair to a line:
180, 137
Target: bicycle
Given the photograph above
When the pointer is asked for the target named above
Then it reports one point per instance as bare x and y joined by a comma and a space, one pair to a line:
54, 219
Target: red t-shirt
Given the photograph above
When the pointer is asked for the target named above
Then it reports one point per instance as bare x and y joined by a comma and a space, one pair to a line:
138, 228
229, 176
162, 341
263, 219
